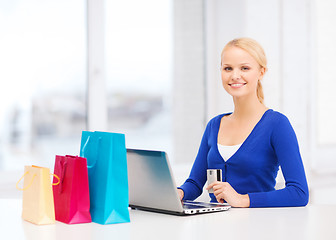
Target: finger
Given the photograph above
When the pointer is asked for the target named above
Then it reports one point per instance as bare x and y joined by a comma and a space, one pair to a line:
220, 186
211, 185
219, 192
217, 187
220, 200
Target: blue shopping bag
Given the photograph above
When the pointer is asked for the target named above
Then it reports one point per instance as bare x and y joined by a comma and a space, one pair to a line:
107, 170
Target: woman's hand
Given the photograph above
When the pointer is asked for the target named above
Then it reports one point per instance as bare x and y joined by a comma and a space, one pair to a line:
224, 192
180, 193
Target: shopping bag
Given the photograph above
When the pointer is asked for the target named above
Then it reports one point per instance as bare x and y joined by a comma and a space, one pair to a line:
108, 183
37, 200
71, 195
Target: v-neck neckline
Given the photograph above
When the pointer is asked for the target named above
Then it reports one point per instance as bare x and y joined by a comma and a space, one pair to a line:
246, 139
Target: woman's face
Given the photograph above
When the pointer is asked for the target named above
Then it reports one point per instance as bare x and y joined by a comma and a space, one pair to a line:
240, 73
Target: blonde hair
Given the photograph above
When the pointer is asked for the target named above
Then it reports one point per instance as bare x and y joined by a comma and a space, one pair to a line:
256, 51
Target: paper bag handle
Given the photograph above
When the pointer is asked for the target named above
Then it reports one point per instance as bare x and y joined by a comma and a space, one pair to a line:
58, 179
31, 181
63, 166
84, 147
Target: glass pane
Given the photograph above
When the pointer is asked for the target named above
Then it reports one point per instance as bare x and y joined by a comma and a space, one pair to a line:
139, 71
326, 84
43, 75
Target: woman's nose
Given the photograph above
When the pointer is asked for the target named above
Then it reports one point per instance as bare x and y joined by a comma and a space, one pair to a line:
235, 74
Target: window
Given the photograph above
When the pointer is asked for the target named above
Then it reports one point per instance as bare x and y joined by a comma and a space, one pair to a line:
44, 67
43, 75
139, 70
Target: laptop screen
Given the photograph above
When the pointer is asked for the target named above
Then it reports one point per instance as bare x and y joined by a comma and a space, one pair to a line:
151, 183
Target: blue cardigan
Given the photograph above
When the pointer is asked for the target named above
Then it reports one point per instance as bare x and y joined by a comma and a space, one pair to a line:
253, 168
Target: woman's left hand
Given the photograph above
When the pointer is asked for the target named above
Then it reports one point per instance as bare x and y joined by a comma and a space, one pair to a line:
224, 192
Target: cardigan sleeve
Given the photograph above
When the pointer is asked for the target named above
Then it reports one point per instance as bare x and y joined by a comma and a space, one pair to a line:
286, 148
193, 186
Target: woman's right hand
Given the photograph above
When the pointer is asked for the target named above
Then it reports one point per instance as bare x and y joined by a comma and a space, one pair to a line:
180, 193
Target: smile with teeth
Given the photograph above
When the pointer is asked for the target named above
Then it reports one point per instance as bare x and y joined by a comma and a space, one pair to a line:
237, 85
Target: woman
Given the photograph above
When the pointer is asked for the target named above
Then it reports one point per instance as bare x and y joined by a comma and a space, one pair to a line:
250, 144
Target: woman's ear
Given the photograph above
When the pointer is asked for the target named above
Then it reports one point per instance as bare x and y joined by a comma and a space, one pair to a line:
262, 73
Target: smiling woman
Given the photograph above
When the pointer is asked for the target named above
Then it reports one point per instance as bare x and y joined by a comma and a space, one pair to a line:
250, 61
265, 140
240, 72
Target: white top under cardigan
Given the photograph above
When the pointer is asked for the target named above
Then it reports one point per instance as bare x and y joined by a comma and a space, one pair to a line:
227, 151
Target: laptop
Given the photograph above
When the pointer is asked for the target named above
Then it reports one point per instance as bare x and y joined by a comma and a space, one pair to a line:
152, 186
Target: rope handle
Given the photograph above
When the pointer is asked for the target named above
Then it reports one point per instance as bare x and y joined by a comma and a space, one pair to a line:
31, 181
63, 165
58, 179
82, 154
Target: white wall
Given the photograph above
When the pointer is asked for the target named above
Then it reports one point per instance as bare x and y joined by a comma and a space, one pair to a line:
283, 27
97, 96
189, 79
323, 86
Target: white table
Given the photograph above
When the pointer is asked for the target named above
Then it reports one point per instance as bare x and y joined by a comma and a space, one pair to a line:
311, 222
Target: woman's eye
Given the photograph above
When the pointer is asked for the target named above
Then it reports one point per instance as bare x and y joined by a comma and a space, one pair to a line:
245, 68
227, 68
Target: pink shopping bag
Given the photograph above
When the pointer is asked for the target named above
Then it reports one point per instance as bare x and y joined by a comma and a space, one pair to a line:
71, 195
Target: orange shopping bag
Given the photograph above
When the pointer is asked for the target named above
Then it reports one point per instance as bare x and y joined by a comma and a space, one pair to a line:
37, 200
